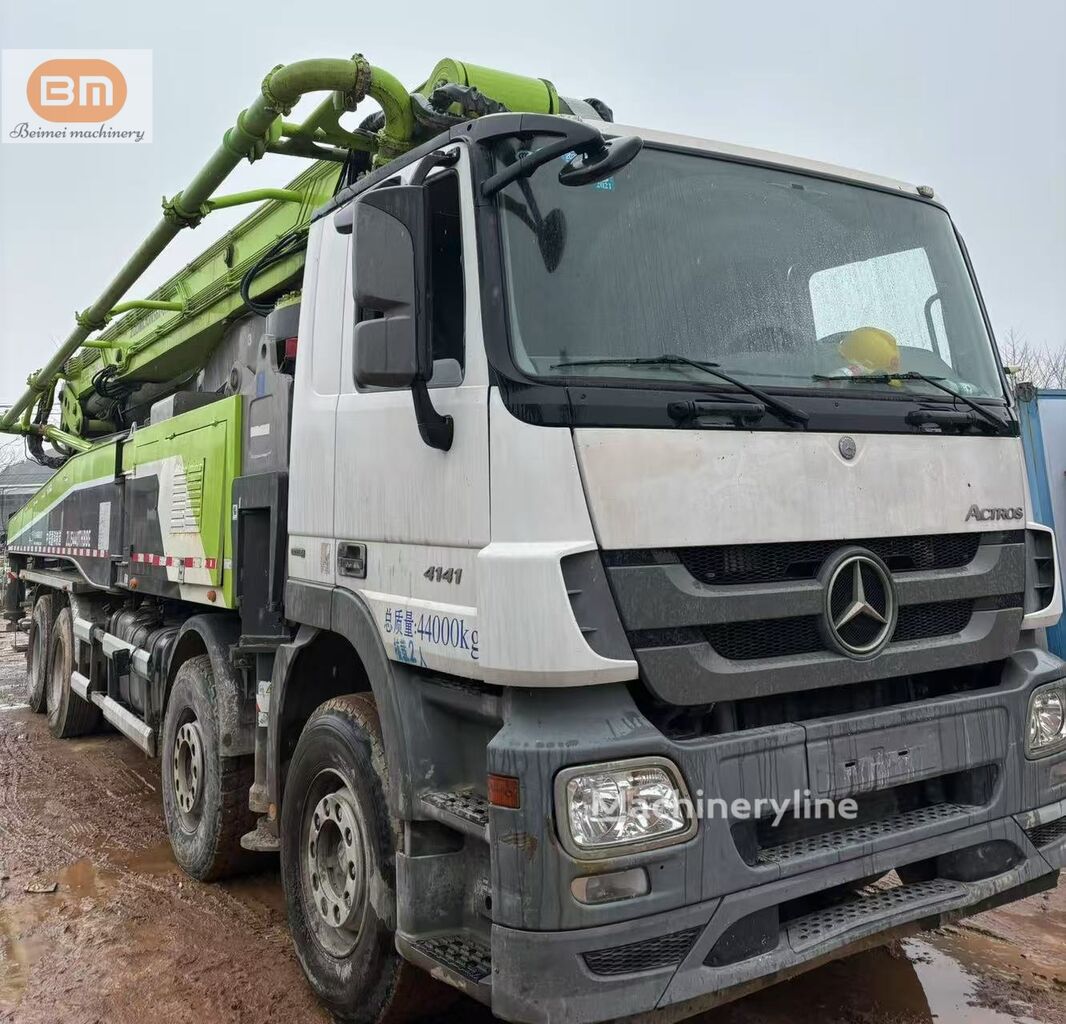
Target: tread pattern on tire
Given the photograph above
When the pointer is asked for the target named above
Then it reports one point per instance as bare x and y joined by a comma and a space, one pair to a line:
236, 775
76, 717
37, 695
414, 993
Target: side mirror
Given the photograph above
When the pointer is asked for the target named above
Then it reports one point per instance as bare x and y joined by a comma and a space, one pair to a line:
391, 266
392, 340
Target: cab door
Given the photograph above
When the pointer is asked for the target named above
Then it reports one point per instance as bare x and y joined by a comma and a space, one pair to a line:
410, 518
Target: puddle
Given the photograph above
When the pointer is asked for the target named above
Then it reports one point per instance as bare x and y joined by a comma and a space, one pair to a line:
263, 888
12, 966
78, 879
951, 985
20, 942
153, 860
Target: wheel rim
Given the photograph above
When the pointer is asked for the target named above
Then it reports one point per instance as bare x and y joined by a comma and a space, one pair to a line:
334, 863
189, 772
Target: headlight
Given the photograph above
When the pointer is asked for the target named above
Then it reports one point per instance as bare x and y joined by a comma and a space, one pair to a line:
638, 804
1047, 720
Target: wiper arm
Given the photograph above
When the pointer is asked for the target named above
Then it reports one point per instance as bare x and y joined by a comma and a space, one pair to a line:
936, 382
786, 410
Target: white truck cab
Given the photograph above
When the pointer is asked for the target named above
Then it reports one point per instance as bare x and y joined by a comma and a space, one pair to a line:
628, 591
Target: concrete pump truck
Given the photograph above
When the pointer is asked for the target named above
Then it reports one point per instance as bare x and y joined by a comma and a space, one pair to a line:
598, 560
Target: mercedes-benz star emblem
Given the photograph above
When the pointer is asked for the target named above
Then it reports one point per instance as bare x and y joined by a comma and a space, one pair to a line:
860, 604
846, 447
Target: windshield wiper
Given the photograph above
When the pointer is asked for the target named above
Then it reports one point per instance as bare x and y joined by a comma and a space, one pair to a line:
936, 382
785, 410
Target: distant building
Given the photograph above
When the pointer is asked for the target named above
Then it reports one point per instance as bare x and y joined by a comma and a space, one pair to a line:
18, 483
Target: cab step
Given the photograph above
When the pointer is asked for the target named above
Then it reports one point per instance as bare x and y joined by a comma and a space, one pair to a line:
460, 809
461, 959
875, 910
263, 838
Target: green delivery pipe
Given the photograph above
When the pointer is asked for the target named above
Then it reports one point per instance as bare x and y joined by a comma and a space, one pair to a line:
125, 307
281, 90
51, 433
257, 195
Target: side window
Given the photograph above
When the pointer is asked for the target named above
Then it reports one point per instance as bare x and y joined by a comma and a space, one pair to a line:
446, 269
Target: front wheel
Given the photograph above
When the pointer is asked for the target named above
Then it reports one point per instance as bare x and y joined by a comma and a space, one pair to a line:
338, 846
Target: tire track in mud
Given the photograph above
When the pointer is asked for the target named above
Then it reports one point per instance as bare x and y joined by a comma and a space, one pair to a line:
126, 937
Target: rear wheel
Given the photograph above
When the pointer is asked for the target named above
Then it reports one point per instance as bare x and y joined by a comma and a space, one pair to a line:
338, 845
205, 795
68, 714
37, 650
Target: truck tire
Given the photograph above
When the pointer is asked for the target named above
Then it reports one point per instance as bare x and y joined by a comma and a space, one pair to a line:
37, 651
338, 846
205, 795
68, 714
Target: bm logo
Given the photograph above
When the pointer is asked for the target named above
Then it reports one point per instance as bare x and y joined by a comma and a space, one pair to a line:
82, 90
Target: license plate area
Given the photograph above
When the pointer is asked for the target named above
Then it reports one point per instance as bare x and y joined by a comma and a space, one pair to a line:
845, 758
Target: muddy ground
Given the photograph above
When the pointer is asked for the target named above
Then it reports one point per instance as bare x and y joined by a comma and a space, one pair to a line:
125, 938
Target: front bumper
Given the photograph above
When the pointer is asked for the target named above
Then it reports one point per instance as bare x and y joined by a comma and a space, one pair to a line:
548, 977
723, 917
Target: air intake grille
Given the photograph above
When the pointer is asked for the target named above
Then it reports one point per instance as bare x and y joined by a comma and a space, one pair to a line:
786, 638
1047, 834
922, 621
766, 638
663, 951
772, 563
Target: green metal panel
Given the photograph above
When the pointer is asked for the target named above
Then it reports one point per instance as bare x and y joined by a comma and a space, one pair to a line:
96, 464
206, 443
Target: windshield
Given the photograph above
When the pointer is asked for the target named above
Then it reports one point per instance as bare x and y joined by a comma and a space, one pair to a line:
780, 279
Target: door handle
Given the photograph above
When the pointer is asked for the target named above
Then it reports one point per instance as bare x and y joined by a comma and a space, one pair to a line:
351, 560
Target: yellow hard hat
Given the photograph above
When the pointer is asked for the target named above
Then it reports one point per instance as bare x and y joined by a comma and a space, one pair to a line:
871, 348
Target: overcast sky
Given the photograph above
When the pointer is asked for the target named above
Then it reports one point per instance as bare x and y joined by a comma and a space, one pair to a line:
969, 97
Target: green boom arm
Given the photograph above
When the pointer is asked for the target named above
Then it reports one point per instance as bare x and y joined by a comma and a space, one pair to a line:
171, 331
282, 88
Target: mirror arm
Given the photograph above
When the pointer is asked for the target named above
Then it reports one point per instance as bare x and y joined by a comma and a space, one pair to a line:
437, 431
438, 158
578, 138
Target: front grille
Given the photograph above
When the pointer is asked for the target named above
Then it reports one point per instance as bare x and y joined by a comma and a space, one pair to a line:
716, 623
662, 951
785, 638
768, 638
733, 565
924, 621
